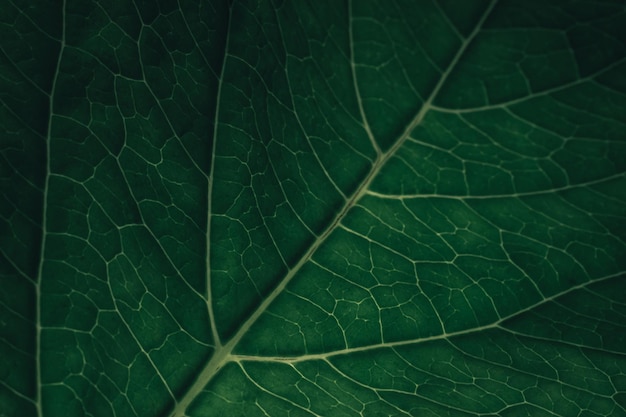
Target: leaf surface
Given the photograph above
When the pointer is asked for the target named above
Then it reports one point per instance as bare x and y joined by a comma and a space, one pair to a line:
313, 208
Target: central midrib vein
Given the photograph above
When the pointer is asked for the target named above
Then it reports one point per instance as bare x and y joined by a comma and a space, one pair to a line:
223, 353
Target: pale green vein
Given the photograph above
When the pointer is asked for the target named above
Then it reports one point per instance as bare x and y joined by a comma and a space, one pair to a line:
499, 324
498, 196
544, 93
223, 355
355, 82
44, 224
209, 292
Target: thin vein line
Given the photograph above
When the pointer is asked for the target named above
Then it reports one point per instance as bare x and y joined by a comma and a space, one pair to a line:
220, 350
209, 292
498, 324
355, 82
44, 225
530, 96
564, 188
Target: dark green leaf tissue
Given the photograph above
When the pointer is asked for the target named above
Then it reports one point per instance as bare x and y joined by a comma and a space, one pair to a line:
313, 208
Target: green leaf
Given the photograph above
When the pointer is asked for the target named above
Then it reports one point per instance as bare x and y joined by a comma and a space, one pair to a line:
377, 208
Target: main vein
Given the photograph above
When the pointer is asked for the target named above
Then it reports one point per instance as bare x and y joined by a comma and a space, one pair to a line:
223, 353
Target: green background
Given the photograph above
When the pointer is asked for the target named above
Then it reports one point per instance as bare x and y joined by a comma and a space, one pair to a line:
378, 208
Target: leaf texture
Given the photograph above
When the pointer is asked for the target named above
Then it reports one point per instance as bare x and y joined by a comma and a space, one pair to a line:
356, 208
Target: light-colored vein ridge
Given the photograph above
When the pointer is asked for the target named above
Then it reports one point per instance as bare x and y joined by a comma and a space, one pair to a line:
498, 324
224, 354
209, 294
44, 226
